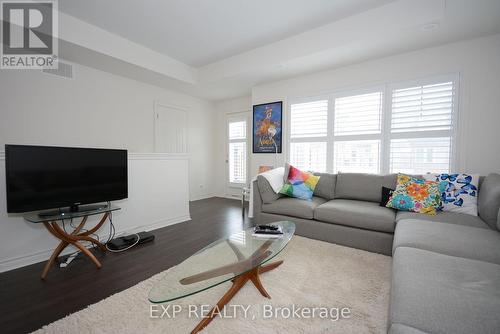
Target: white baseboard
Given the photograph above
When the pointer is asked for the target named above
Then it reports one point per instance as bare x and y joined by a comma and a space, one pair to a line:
164, 223
235, 197
26, 260
198, 198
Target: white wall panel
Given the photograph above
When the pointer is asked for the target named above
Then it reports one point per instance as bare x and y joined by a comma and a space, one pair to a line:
158, 196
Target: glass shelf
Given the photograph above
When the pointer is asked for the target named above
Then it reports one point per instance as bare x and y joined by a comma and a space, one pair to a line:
43, 217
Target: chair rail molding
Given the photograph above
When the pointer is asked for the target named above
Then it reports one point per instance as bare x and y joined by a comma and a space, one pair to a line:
152, 203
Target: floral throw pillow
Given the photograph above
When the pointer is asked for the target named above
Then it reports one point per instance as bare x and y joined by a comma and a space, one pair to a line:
458, 192
415, 195
299, 184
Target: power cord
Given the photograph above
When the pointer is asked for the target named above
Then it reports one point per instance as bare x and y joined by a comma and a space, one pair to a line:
112, 230
73, 255
112, 234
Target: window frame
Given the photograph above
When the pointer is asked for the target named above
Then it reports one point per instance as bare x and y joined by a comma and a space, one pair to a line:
321, 139
371, 136
453, 133
385, 136
234, 118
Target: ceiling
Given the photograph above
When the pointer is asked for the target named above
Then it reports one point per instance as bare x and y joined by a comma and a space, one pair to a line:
198, 32
220, 49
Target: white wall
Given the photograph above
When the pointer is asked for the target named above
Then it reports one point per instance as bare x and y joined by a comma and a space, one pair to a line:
98, 109
151, 204
477, 61
223, 109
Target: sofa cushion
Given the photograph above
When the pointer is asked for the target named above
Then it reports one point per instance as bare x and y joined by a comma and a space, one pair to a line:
294, 207
438, 293
445, 217
266, 191
361, 214
364, 187
326, 185
489, 200
455, 240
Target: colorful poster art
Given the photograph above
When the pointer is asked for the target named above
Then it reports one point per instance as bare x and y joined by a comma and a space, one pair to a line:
267, 127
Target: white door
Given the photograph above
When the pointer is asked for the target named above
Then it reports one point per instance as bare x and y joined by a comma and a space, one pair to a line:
170, 129
236, 153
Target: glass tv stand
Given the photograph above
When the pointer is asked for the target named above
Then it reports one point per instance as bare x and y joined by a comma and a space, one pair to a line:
75, 237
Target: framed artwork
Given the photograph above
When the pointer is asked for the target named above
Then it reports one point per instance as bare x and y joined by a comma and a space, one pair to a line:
267, 127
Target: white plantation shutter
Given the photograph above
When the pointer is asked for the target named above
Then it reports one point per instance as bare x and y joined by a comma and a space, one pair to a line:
400, 127
237, 162
359, 114
421, 129
308, 135
357, 131
237, 130
237, 151
309, 119
422, 108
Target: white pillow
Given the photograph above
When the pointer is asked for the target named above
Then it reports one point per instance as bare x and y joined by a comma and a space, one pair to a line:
458, 191
275, 177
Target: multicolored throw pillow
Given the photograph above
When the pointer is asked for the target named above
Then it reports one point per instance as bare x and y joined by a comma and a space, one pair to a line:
458, 192
299, 184
415, 195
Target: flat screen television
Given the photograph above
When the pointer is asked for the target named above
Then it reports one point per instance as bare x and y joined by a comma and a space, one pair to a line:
47, 177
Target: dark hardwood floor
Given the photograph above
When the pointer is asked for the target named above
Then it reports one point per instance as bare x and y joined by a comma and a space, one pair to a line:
27, 303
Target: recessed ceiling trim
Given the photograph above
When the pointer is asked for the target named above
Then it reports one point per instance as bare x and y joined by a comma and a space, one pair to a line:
80, 33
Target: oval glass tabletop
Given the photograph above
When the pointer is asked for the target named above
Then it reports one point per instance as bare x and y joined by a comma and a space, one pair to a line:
220, 262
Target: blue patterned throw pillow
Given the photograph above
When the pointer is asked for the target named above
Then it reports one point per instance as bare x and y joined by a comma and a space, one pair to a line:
458, 192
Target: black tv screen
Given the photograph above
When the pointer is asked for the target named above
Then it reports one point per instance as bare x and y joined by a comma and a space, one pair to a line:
46, 177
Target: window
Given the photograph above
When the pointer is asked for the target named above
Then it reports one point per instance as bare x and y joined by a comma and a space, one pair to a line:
308, 135
237, 151
406, 128
357, 156
358, 114
357, 133
309, 156
422, 128
420, 155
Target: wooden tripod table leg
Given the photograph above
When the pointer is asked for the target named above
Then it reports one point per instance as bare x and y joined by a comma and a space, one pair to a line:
254, 277
74, 239
55, 255
270, 266
238, 283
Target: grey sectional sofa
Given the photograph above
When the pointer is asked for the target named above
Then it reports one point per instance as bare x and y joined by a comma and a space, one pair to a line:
446, 268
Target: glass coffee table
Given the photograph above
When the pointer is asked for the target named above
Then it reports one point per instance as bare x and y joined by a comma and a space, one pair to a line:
239, 258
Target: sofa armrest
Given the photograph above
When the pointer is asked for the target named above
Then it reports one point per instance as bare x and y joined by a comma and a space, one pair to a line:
498, 220
267, 194
488, 201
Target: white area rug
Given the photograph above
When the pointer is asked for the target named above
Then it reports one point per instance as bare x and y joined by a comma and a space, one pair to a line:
315, 274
